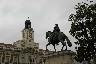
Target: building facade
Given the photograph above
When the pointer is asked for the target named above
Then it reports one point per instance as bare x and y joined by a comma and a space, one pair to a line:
24, 51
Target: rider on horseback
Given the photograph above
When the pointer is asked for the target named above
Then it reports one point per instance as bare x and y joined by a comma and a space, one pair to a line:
56, 32
57, 36
56, 28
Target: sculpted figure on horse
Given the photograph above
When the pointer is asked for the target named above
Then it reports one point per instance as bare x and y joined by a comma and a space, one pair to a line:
57, 36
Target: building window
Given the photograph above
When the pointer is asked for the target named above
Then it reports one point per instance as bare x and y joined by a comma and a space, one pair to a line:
33, 60
22, 57
29, 40
6, 63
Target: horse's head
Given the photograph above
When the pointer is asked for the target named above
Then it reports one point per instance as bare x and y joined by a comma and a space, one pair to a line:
48, 34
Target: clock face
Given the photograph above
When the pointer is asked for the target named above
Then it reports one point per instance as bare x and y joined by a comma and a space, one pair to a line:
30, 35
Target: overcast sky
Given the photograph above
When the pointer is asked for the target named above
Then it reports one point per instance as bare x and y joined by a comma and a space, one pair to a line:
44, 14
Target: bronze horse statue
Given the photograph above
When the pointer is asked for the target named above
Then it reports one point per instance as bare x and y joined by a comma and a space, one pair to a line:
54, 39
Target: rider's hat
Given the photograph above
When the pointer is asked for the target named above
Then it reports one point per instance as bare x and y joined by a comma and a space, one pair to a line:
56, 24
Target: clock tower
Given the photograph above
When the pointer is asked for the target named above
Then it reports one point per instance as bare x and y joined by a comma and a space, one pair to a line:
28, 32
27, 40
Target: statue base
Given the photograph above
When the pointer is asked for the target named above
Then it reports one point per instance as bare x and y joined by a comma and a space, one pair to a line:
60, 57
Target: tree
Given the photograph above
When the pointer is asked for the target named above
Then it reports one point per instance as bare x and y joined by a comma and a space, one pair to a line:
83, 28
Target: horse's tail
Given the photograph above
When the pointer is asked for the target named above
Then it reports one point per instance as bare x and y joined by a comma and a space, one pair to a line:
68, 41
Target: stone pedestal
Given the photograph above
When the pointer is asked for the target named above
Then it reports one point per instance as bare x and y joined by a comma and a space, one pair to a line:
60, 57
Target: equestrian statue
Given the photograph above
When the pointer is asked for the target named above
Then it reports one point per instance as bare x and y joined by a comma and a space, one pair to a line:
57, 36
